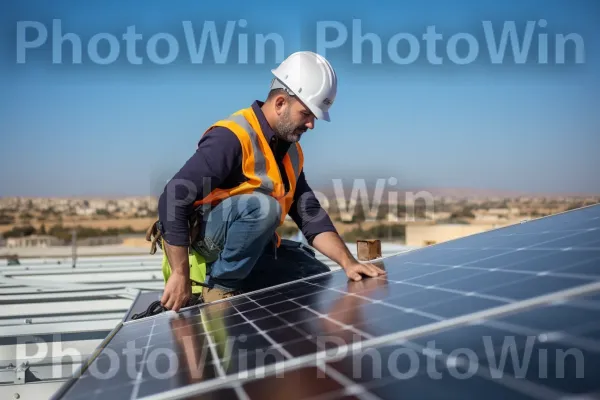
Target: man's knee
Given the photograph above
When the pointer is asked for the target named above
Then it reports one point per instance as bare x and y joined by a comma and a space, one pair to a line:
258, 207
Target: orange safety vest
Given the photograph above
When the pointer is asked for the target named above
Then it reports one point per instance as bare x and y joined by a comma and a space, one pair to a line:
258, 165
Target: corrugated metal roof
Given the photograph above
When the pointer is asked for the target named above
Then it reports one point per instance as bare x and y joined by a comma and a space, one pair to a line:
55, 315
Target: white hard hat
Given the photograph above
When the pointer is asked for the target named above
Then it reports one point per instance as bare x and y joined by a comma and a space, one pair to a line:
311, 78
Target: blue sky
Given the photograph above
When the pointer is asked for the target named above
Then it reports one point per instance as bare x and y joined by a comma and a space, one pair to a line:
124, 129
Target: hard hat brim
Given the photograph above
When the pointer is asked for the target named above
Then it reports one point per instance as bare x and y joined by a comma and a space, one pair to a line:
319, 114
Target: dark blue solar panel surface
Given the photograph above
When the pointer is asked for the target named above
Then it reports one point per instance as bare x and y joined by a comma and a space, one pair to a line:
525, 292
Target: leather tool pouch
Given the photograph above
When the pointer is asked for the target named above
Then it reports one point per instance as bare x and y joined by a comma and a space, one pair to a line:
154, 231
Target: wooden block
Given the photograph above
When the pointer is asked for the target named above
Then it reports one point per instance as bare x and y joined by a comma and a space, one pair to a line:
368, 249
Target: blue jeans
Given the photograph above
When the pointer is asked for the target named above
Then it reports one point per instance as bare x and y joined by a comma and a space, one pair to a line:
237, 239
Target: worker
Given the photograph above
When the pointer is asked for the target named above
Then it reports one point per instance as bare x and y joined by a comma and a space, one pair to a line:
245, 176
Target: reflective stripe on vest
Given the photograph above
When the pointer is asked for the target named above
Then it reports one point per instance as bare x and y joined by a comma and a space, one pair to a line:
295, 160
260, 164
261, 170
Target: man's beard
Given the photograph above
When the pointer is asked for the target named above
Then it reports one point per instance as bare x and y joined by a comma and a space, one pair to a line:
286, 130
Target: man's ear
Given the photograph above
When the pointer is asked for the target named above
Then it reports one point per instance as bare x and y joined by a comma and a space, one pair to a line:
280, 102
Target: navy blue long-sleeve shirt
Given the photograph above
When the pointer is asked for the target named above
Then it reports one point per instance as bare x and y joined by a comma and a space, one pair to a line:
218, 160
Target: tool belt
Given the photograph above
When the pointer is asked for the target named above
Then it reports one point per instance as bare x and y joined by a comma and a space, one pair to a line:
154, 232
154, 236
197, 262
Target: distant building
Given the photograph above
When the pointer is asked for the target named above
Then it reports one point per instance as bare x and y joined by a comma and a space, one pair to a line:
498, 211
488, 217
430, 215
419, 235
100, 241
33, 241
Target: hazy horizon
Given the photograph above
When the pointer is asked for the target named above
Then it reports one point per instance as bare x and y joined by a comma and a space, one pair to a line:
348, 188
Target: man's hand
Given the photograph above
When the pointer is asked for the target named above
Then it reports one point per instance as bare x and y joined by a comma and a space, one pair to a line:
177, 292
178, 289
355, 270
332, 246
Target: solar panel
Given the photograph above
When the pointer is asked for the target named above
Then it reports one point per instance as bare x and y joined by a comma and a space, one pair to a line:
512, 313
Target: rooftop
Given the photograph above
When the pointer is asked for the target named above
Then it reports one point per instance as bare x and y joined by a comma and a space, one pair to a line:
55, 315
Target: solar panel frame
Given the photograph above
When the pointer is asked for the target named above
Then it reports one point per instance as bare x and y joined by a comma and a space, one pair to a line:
402, 337
64, 389
263, 302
